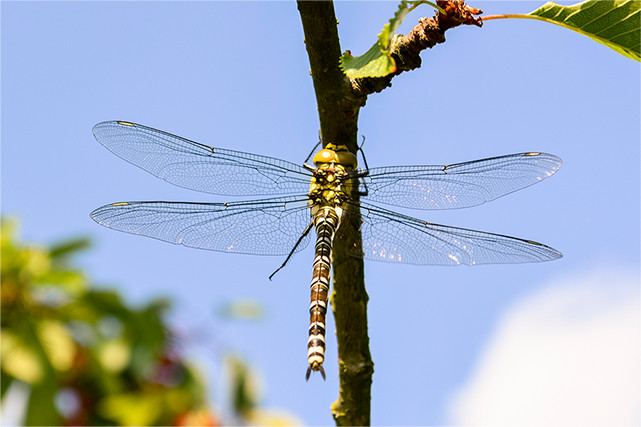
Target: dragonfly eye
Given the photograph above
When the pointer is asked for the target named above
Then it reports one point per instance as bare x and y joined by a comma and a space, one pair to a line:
336, 154
325, 156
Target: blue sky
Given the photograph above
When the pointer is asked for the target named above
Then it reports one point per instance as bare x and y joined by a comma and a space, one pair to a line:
235, 75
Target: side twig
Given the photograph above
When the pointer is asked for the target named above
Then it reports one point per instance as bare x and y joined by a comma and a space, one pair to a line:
428, 33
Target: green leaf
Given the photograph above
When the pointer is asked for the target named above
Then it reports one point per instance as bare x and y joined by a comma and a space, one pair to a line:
615, 24
373, 63
377, 61
389, 29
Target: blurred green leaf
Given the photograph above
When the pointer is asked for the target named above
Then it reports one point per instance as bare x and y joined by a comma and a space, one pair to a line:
57, 343
5, 381
19, 360
244, 310
58, 334
72, 282
114, 355
69, 247
41, 409
89, 358
132, 409
244, 391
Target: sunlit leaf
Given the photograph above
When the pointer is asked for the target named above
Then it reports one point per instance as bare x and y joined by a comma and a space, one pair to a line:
19, 360
616, 24
373, 63
114, 355
132, 409
35, 262
57, 344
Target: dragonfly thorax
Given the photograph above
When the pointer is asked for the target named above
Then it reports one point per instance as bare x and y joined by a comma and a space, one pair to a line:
330, 185
337, 154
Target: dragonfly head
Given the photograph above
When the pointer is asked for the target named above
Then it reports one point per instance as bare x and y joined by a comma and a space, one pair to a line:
336, 154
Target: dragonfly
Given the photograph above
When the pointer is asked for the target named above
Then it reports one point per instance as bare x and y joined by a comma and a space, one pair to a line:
319, 198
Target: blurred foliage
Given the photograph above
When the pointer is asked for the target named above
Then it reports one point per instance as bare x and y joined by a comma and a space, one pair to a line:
87, 358
241, 310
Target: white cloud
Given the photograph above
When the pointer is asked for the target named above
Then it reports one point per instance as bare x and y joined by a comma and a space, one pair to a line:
567, 356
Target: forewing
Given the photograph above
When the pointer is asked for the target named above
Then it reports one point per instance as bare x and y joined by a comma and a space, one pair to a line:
199, 167
261, 227
392, 237
459, 185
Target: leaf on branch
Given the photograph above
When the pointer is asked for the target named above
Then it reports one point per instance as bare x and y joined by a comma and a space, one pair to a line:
615, 24
377, 61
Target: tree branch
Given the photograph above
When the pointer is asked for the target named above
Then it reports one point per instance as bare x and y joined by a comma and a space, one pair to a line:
428, 33
338, 112
339, 100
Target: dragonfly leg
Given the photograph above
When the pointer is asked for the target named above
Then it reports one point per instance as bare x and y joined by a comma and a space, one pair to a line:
320, 140
362, 174
291, 253
363, 153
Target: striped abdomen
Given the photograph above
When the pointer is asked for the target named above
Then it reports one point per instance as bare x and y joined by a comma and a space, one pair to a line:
326, 221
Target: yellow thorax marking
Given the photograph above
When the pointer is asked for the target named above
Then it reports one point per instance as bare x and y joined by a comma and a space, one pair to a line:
328, 185
338, 154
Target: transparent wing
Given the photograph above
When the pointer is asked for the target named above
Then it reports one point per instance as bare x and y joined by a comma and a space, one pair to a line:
261, 227
199, 167
392, 237
459, 185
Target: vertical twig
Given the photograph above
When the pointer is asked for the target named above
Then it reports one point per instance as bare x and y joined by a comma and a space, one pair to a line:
339, 100
338, 112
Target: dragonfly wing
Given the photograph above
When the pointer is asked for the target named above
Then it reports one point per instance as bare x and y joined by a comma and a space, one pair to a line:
459, 185
199, 167
392, 237
261, 227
